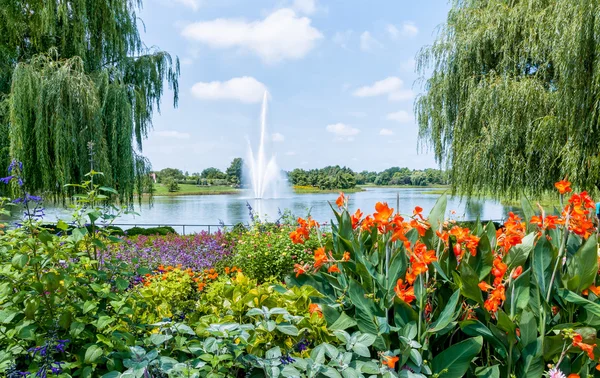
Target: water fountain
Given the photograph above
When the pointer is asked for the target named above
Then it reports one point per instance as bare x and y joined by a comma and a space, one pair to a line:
263, 175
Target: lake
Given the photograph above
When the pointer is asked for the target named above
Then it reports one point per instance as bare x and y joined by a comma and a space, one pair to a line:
232, 209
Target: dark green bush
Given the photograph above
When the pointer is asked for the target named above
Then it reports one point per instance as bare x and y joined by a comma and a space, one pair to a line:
162, 230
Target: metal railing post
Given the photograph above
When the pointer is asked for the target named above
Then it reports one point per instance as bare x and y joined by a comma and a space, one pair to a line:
209, 229
184, 229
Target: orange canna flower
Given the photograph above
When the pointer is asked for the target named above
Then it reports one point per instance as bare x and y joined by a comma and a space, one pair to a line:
495, 299
299, 269
333, 269
407, 294
355, 218
516, 272
498, 270
563, 186
320, 258
383, 213
484, 286
588, 348
390, 361
341, 200
315, 308
346, 256
573, 375
595, 289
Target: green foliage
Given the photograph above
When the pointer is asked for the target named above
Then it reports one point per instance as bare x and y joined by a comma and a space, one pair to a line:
170, 183
325, 179
213, 174
234, 172
269, 253
72, 72
174, 174
505, 110
162, 230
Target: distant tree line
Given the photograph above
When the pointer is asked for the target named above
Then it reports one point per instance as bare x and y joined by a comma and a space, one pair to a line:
334, 177
331, 177
403, 176
173, 177
328, 178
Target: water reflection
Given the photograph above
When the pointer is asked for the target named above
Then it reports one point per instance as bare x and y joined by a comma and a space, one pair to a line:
232, 209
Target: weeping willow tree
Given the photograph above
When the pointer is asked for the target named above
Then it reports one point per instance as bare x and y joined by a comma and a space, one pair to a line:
512, 102
74, 72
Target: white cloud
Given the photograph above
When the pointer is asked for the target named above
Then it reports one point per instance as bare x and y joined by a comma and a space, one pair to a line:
277, 137
305, 6
172, 134
368, 42
342, 38
291, 153
402, 116
409, 29
391, 86
194, 4
386, 132
393, 31
245, 89
342, 131
281, 35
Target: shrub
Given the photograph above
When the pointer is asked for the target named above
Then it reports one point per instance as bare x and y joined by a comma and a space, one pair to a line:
161, 230
265, 251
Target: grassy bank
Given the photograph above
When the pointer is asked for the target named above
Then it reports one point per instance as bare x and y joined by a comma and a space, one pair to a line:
311, 189
194, 190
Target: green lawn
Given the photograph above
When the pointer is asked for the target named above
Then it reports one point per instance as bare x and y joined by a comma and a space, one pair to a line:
404, 186
194, 190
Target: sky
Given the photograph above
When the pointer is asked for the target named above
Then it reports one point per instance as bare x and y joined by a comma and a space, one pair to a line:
340, 76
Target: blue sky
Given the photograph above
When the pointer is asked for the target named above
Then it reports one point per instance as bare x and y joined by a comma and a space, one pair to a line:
340, 74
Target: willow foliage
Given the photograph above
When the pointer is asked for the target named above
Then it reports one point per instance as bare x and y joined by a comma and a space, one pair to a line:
512, 102
73, 72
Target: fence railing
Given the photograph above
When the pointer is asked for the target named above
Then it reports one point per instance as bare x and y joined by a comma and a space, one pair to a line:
190, 227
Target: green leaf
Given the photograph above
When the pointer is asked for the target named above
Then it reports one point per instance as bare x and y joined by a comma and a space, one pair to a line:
108, 189
61, 225
517, 255
45, 237
528, 212
447, 315
438, 212
89, 306
517, 294
92, 354
474, 328
543, 255
488, 372
19, 261
468, 282
343, 322
531, 363
571, 297
454, 361
287, 329
482, 261
582, 267
122, 284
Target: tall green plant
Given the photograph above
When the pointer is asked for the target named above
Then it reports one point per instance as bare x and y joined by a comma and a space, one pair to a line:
510, 100
445, 301
74, 71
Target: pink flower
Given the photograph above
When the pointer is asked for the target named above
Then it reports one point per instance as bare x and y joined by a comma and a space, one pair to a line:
555, 373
